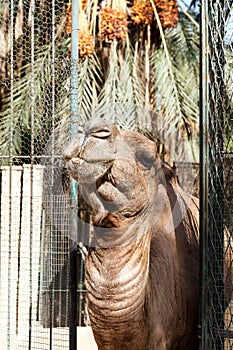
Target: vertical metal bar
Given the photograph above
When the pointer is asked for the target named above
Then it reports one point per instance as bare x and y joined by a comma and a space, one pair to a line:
32, 119
74, 84
204, 89
73, 295
216, 122
74, 68
73, 187
10, 173
51, 199
41, 263
211, 175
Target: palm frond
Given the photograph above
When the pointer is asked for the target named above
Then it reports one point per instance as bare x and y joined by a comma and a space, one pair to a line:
175, 65
89, 84
17, 115
122, 81
123, 93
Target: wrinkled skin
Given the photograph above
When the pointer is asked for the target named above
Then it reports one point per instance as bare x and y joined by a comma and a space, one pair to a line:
142, 266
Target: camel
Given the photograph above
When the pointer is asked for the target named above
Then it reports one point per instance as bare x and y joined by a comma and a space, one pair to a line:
142, 266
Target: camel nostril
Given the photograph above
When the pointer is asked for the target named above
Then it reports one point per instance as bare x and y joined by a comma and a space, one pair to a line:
66, 156
72, 154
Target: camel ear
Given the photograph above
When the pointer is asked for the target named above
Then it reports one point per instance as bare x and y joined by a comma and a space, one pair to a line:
161, 150
170, 173
164, 154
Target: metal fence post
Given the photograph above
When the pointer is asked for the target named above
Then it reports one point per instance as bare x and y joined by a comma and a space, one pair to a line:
211, 169
216, 122
203, 167
73, 187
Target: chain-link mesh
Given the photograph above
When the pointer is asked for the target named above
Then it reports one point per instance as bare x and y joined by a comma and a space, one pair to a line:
35, 220
35, 69
217, 174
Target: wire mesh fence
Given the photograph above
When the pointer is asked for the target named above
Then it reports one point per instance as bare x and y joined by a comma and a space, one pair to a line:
42, 291
35, 234
216, 175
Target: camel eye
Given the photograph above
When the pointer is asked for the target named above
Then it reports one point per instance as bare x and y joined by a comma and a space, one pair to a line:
101, 134
145, 158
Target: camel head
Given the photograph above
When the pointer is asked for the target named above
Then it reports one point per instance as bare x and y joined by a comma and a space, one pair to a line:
118, 171
143, 291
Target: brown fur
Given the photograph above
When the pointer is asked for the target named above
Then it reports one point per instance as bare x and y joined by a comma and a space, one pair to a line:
142, 268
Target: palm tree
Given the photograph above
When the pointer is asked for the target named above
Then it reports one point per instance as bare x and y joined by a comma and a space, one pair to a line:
138, 65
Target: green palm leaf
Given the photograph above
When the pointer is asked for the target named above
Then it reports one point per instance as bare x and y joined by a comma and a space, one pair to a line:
123, 92
175, 66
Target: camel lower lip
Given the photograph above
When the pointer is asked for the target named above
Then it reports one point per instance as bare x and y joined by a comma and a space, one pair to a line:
98, 161
80, 161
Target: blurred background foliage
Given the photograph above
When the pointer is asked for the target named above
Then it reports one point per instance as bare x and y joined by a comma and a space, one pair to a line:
138, 65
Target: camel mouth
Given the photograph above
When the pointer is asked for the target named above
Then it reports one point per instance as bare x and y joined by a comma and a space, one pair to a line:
77, 161
88, 170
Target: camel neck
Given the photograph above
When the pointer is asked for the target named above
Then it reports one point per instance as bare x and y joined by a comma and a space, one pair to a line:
130, 232
116, 280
